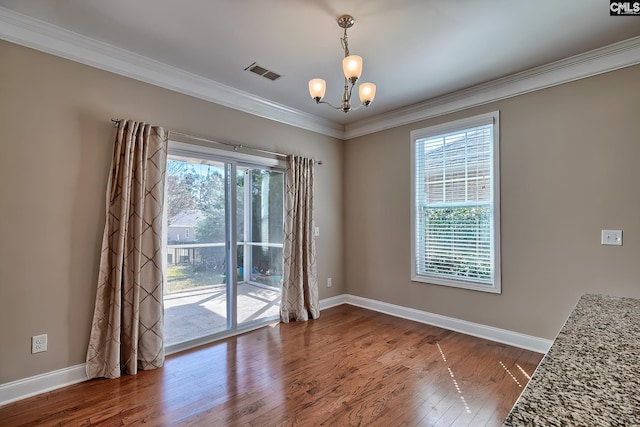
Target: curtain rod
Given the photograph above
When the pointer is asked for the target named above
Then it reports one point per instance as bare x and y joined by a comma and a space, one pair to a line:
236, 147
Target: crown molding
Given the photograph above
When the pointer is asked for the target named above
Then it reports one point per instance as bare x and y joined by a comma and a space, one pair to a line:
609, 58
33, 33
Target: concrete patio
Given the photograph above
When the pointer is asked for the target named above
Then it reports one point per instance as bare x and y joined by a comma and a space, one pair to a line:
199, 312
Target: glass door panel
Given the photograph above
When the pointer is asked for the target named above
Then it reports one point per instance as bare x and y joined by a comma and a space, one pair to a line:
259, 292
196, 293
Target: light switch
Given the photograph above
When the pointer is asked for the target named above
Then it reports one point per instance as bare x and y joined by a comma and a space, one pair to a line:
611, 237
316, 231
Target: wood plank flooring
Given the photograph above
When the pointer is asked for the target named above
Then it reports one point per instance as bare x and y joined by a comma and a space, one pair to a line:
351, 367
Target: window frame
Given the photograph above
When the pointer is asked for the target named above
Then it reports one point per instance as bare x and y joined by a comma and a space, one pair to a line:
441, 129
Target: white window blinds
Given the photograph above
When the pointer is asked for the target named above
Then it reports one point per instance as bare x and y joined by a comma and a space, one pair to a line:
454, 203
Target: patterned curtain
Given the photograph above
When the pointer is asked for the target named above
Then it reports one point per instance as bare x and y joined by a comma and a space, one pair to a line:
299, 283
126, 333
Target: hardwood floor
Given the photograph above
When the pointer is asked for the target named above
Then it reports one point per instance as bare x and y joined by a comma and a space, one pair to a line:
351, 367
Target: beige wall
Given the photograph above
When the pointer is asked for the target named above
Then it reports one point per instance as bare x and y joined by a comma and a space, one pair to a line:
570, 166
56, 144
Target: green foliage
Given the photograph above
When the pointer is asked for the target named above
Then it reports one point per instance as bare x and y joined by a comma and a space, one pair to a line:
267, 199
181, 277
189, 190
457, 217
201, 188
458, 230
210, 228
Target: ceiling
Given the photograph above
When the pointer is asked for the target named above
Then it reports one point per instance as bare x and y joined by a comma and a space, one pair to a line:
414, 50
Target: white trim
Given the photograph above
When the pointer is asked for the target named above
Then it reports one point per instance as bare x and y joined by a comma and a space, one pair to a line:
333, 301
598, 61
197, 342
21, 389
36, 34
27, 387
515, 339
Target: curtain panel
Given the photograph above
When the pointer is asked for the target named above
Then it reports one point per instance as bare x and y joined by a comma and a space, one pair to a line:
299, 283
126, 333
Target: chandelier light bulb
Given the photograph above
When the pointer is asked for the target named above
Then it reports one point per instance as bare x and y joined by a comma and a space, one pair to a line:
317, 88
352, 67
367, 92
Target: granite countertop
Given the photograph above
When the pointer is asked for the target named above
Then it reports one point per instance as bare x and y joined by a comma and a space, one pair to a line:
591, 374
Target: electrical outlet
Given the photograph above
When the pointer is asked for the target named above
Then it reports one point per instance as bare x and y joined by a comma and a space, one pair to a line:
611, 237
39, 343
329, 282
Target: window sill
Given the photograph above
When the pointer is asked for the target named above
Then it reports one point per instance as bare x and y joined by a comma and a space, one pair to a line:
463, 284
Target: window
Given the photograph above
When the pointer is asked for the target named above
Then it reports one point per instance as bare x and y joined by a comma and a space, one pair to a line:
456, 204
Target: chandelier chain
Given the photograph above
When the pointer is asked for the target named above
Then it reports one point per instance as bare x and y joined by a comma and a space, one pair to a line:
344, 40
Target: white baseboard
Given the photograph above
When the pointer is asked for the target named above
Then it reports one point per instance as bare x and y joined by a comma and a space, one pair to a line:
27, 387
333, 301
504, 336
21, 389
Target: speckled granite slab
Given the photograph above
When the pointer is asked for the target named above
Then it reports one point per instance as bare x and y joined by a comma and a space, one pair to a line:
591, 374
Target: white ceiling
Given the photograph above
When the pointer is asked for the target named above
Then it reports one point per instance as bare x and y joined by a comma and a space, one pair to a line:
414, 50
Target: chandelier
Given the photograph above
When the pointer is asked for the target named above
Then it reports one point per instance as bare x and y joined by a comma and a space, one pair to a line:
352, 68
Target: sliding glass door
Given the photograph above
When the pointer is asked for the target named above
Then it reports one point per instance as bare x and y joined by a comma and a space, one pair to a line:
224, 234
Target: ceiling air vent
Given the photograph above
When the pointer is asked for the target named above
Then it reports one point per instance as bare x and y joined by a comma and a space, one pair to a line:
261, 71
